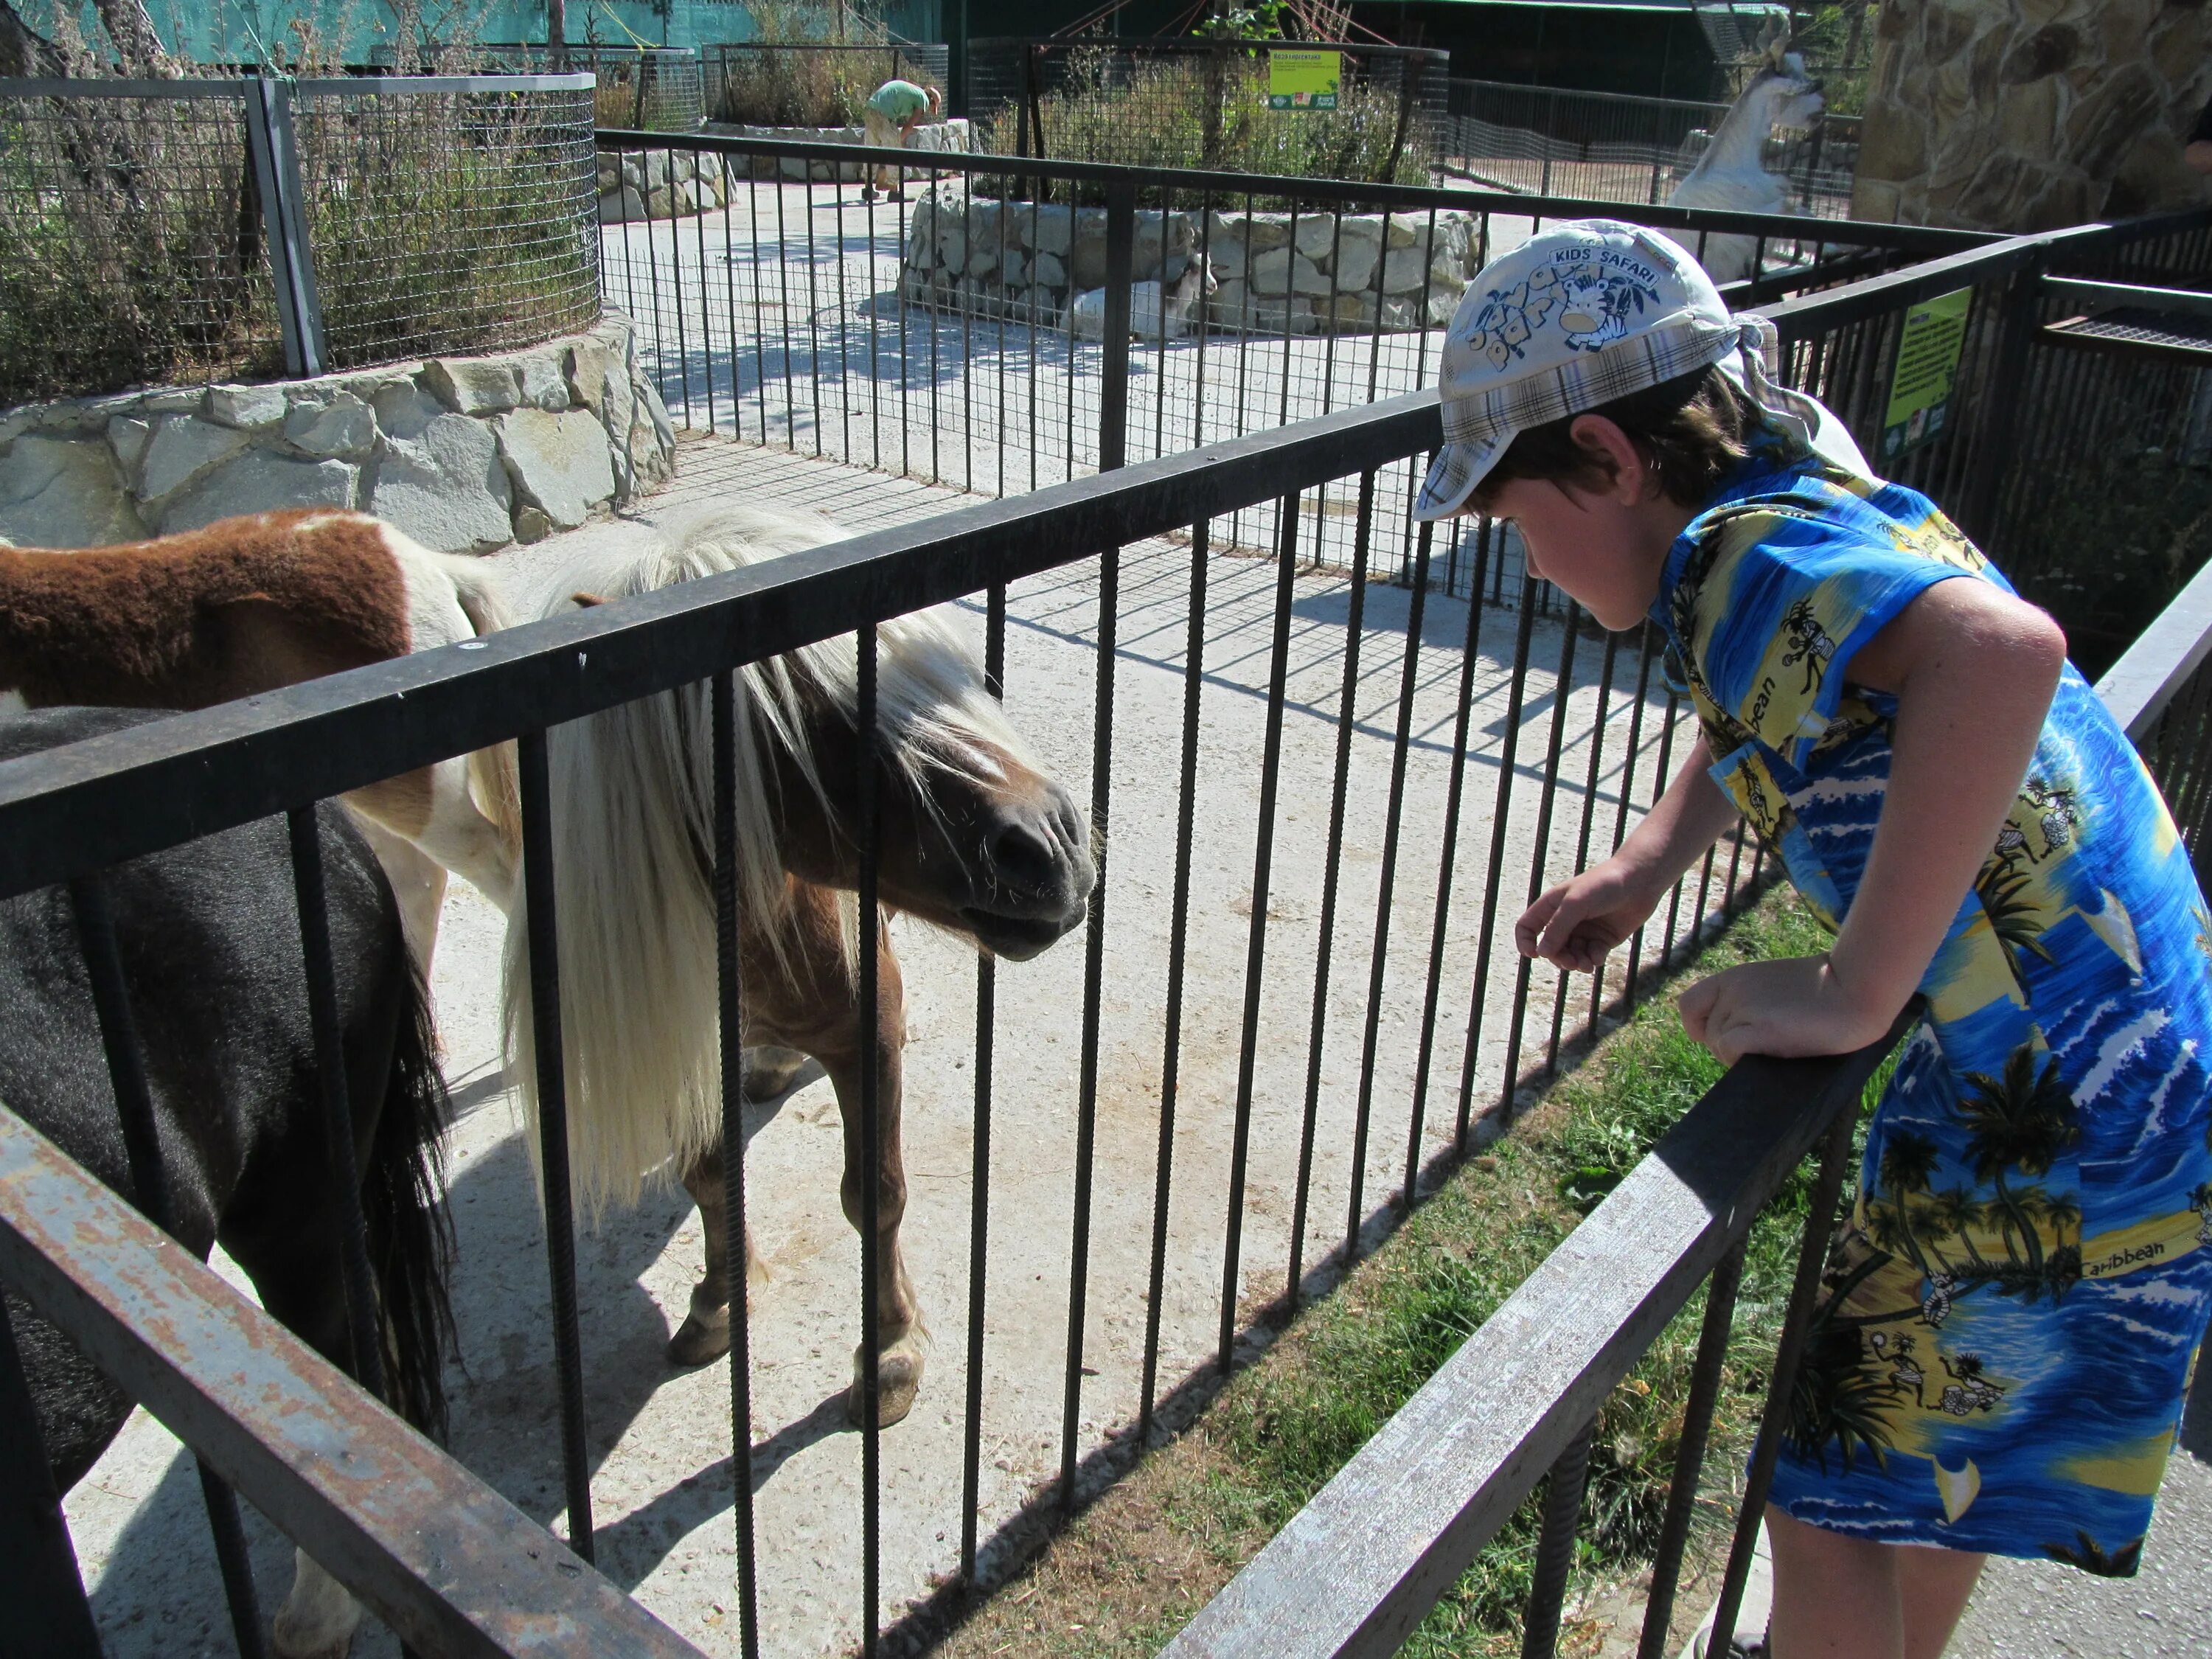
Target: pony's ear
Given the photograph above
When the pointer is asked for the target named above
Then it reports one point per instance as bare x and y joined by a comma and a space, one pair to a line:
587, 600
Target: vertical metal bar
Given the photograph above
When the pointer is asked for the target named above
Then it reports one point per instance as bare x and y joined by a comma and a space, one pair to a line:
360, 1284
1690, 1456
1094, 969
1194, 679
273, 143
544, 941
1446, 857
729, 1013
1354, 623
1509, 747
1113, 356
1812, 1252
1620, 808
1582, 839
1562, 689
39, 1584
1555, 1545
870, 837
979, 1210
1256, 949
1660, 780
149, 1182
1379, 953
813, 309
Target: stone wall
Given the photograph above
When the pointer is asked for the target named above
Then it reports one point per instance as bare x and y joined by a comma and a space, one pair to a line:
663, 183
463, 453
1025, 261
2028, 115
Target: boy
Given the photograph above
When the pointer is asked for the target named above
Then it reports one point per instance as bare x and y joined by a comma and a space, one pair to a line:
894, 110
1998, 1359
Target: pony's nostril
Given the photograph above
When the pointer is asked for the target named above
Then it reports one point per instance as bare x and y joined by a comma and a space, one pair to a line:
1023, 859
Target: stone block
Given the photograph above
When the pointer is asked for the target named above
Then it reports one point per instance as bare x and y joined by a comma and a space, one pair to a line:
250, 408
1258, 231
345, 426
447, 488
1355, 264
174, 403
558, 463
404, 411
1319, 234
64, 492
260, 480
531, 525
539, 379
1404, 270
1048, 270
1046, 228
1280, 270
128, 436
472, 385
1014, 272
183, 448
1406, 228
1348, 311
621, 209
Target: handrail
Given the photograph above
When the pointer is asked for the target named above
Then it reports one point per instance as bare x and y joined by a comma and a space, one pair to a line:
2139, 686
438, 1556
1357, 1569
1905, 239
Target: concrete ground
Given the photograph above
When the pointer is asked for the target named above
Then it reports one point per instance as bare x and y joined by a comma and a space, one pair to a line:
660, 1438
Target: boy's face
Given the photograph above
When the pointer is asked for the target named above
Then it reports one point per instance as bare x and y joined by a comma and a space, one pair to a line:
1602, 552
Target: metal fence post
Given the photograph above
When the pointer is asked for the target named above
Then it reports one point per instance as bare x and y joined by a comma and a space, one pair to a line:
274, 146
1114, 368
2002, 412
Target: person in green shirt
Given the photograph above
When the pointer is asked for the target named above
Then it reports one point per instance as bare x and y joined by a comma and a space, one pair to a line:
895, 110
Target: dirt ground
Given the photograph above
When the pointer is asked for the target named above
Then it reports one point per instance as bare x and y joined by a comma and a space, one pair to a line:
660, 1438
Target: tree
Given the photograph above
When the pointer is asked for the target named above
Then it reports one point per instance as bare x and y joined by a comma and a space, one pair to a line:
1908, 1160
2022, 1122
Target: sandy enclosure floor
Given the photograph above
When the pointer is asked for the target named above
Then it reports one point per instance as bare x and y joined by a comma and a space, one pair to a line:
660, 1438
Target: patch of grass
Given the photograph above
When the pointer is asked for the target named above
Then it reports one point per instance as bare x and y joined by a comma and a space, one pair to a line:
1134, 1570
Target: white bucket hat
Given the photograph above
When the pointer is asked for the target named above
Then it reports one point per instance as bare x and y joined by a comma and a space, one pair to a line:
1578, 316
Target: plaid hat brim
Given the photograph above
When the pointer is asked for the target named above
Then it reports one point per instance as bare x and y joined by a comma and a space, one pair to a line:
1453, 475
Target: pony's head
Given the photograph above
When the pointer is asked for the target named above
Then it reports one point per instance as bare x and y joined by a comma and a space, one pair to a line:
976, 836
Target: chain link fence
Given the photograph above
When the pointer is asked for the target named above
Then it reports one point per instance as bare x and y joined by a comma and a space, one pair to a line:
811, 85
425, 215
1192, 103
1612, 148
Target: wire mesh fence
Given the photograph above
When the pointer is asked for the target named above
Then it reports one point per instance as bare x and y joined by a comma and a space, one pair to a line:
439, 215
814, 85
651, 89
1204, 104
1610, 146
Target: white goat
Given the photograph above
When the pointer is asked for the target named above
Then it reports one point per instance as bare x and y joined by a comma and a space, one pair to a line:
1732, 174
1086, 317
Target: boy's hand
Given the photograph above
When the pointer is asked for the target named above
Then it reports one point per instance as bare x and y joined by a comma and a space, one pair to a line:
1576, 923
1793, 1009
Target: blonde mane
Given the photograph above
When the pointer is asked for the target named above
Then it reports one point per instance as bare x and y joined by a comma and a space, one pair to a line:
634, 835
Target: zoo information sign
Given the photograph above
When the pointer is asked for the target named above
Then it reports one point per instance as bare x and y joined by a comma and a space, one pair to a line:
1303, 80
1928, 350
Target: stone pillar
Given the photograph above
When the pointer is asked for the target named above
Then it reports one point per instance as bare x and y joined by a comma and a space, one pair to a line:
2028, 115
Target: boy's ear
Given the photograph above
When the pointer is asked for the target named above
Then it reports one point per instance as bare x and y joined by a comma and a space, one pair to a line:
1613, 451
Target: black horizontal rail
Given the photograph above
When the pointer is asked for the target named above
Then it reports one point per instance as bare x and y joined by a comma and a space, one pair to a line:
1782, 226
445, 1561
1359, 1567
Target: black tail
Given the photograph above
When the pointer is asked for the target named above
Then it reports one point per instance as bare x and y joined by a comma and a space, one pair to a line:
410, 1237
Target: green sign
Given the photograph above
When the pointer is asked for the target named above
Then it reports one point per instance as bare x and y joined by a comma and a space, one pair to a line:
1303, 80
1928, 348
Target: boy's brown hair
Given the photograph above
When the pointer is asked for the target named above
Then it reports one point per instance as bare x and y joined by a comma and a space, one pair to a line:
1692, 431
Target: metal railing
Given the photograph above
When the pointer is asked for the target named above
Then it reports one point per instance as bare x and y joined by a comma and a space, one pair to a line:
163, 231
1615, 147
932, 336
1256, 1023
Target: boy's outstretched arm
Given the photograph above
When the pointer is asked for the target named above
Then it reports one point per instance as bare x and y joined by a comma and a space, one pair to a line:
1973, 670
1574, 924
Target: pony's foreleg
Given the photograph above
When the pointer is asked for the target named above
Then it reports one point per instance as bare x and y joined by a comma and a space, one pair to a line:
433, 808
705, 1333
902, 1337
318, 1619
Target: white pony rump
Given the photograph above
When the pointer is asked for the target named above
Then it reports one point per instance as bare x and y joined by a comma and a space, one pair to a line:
632, 793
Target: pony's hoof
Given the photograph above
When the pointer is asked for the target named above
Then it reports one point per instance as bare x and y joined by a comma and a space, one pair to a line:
700, 1341
898, 1380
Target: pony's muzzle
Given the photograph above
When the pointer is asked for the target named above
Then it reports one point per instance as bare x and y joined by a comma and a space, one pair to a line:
1039, 874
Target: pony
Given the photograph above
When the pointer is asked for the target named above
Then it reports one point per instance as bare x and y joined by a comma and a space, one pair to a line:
1732, 173
247, 604
210, 940
976, 839
1148, 320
